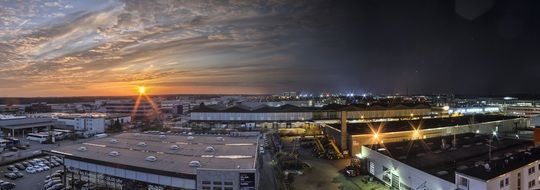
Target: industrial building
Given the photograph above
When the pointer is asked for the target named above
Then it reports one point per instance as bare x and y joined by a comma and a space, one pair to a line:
140, 110
19, 125
292, 116
144, 161
466, 161
351, 136
89, 124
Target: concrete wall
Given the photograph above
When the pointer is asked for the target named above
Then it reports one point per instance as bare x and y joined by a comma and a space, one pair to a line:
409, 176
133, 175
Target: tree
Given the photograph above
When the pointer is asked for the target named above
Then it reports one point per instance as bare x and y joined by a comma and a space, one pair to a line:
116, 126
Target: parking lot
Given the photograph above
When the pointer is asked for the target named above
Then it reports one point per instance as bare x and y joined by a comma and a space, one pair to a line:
30, 180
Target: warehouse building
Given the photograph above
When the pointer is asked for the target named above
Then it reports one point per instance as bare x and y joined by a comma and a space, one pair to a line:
357, 134
143, 161
465, 162
293, 116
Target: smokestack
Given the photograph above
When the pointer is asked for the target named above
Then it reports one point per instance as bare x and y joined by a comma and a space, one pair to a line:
344, 130
537, 136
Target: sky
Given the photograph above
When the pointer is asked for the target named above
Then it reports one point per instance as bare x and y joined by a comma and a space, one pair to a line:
93, 48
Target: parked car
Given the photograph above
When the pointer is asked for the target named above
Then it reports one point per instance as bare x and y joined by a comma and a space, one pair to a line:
20, 166
7, 185
30, 170
48, 181
26, 164
12, 168
19, 174
10, 175
38, 169
52, 183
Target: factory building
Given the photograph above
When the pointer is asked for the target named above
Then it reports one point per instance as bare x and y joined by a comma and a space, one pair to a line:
362, 133
293, 116
89, 124
144, 161
140, 110
467, 161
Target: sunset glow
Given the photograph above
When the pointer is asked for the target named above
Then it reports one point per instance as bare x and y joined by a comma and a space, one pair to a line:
141, 89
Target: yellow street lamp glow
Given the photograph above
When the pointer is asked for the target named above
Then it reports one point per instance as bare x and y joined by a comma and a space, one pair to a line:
376, 135
416, 133
141, 89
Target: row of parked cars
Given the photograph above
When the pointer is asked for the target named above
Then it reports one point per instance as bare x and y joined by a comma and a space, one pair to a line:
33, 166
54, 181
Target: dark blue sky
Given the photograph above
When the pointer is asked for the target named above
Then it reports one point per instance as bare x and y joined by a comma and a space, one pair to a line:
64, 48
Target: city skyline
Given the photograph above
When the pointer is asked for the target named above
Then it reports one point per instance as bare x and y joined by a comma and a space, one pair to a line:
108, 48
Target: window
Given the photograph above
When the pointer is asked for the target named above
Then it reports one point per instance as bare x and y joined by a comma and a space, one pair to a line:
228, 188
531, 170
217, 182
506, 180
228, 183
217, 188
205, 187
464, 182
532, 183
501, 184
205, 182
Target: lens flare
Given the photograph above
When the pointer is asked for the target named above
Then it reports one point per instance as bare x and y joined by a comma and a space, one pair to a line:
141, 89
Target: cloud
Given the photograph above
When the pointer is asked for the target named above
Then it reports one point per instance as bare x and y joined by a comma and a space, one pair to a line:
59, 46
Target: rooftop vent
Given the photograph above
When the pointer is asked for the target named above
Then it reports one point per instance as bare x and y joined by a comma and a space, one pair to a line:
190, 138
82, 148
220, 139
210, 149
441, 173
151, 158
479, 163
195, 163
114, 141
487, 167
114, 153
174, 147
143, 144
462, 167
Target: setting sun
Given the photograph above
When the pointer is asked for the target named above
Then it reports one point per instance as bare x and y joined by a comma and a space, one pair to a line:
141, 89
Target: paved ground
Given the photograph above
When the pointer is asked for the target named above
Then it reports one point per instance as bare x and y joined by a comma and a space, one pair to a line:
267, 178
325, 174
29, 181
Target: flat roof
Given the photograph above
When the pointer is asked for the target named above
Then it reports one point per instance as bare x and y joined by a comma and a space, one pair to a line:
467, 157
405, 125
231, 153
25, 123
292, 108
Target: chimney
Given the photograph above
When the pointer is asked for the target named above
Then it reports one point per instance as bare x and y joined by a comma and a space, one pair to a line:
537, 136
344, 130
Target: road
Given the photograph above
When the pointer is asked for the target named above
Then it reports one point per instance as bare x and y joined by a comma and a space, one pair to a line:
268, 177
